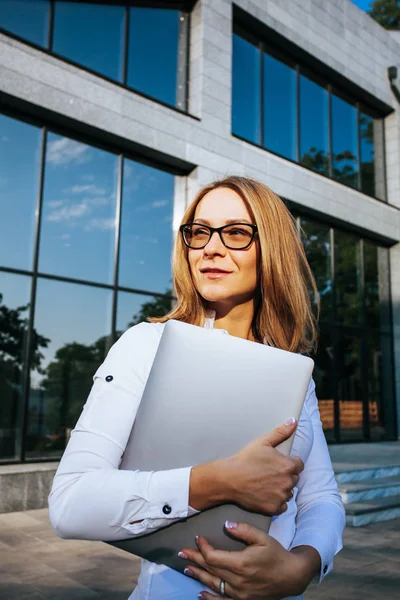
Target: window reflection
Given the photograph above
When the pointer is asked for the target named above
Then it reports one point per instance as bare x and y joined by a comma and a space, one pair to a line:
14, 315
98, 35
28, 19
350, 387
20, 145
136, 308
314, 135
344, 142
323, 377
146, 228
153, 52
367, 154
317, 245
246, 105
76, 321
79, 211
348, 278
279, 110
371, 283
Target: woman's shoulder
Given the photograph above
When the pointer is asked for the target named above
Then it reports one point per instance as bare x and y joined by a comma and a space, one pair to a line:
141, 335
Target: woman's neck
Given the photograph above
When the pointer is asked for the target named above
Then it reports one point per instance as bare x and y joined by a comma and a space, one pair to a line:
237, 320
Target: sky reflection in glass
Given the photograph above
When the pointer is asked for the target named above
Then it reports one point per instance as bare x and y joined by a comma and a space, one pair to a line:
29, 19
146, 228
97, 40
344, 142
153, 52
314, 134
79, 211
246, 105
20, 146
279, 107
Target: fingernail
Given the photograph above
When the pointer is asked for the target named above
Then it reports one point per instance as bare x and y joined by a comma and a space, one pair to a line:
182, 555
231, 524
197, 539
188, 572
200, 596
290, 421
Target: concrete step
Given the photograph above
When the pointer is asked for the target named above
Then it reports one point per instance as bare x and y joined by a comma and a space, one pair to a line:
372, 511
345, 474
369, 489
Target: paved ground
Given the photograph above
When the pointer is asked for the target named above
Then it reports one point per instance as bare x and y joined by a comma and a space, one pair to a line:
36, 565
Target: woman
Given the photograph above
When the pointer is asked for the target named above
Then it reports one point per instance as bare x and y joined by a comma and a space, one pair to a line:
239, 267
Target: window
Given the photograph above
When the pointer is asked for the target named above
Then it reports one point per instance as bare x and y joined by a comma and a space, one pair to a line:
141, 47
20, 146
246, 106
291, 111
354, 361
103, 248
98, 36
28, 19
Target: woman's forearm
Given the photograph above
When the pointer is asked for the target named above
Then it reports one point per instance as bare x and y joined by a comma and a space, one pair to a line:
208, 486
307, 566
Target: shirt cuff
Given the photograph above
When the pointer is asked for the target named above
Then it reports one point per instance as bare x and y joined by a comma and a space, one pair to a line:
324, 548
166, 500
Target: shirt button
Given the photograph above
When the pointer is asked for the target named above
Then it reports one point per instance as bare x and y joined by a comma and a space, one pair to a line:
109, 378
166, 509
325, 569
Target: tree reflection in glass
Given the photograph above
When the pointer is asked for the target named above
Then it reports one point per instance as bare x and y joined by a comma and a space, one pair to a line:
136, 308
367, 154
14, 315
77, 319
316, 241
349, 387
314, 134
344, 142
348, 278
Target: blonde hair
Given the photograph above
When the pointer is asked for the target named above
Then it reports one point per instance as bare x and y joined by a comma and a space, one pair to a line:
284, 317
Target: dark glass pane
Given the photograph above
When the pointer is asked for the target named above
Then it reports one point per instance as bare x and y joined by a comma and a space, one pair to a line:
323, 377
385, 301
28, 19
14, 315
347, 278
19, 154
371, 283
79, 208
246, 107
76, 319
146, 228
350, 387
367, 154
279, 110
316, 240
136, 308
344, 142
97, 39
381, 405
314, 132
153, 52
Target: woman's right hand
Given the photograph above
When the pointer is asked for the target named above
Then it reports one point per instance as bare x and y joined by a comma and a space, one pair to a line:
258, 477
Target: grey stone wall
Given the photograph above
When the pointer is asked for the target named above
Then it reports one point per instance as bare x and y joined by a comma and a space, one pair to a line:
25, 487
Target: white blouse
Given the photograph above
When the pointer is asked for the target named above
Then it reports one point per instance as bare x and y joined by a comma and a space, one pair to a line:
92, 499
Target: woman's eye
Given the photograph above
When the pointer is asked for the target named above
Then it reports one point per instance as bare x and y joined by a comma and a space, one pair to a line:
199, 231
238, 231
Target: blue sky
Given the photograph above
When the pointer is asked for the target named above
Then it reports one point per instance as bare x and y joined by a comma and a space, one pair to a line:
363, 4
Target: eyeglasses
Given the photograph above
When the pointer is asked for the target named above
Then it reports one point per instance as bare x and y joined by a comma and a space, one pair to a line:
235, 236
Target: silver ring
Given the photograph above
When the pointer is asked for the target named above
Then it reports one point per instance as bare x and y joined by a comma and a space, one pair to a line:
222, 588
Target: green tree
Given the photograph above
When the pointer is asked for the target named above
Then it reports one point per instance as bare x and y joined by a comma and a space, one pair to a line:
386, 13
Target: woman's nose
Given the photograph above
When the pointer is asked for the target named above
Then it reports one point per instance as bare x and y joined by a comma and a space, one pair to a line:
214, 245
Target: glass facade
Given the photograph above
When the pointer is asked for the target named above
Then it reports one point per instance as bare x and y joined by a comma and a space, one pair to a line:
354, 361
119, 42
292, 112
63, 299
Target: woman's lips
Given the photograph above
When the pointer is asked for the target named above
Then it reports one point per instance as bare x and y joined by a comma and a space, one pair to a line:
215, 273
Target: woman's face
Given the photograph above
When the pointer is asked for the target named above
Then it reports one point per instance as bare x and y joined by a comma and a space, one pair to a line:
222, 276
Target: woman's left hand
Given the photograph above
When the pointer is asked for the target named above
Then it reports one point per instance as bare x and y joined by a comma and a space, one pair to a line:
264, 569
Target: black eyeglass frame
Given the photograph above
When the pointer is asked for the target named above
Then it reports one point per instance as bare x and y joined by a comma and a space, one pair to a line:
212, 230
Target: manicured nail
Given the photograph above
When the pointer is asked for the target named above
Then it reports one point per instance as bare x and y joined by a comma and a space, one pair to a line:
290, 421
200, 596
182, 555
197, 539
231, 524
188, 572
